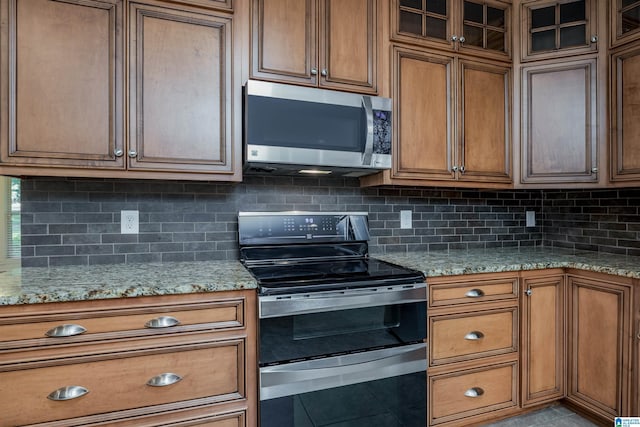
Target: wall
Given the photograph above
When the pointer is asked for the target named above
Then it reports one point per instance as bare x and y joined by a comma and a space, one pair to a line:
596, 220
77, 221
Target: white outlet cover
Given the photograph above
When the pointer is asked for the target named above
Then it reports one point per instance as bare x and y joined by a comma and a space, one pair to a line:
531, 219
129, 222
405, 219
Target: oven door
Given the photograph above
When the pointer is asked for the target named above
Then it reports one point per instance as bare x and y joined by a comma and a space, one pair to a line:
385, 388
322, 324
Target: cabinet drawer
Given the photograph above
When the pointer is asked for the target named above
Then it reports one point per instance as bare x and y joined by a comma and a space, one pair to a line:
213, 370
470, 392
120, 323
463, 336
472, 289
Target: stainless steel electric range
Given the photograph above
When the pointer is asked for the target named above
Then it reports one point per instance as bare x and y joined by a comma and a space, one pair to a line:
342, 336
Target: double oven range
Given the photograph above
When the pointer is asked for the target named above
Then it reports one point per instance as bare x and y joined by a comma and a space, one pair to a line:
342, 336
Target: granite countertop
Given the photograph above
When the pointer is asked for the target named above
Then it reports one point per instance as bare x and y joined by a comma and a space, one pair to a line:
79, 283
450, 263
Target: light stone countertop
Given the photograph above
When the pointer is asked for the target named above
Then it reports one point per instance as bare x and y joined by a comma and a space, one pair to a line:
78, 283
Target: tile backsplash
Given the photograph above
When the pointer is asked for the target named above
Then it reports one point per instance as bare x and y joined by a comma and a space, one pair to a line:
77, 221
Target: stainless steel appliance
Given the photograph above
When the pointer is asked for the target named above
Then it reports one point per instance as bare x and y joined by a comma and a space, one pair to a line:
342, 336
293, 129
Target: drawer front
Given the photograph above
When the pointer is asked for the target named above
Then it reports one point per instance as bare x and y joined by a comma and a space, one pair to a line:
467, 393
125, 322
470, 290
207, 370
461, 337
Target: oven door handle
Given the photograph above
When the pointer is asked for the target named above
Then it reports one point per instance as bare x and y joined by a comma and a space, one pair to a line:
280, 306
321, 374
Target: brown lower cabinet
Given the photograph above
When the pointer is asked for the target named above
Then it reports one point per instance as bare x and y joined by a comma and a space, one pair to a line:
150, 361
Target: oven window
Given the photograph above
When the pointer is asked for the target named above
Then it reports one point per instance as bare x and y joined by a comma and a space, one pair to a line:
390, 402
287, 338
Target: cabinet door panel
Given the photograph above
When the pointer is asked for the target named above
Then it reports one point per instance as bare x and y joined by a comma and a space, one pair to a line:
625, 110
347, 44
485, 116
559, 125
284, 40
543, 340
599, 334
423, 131
180, 91
63, 107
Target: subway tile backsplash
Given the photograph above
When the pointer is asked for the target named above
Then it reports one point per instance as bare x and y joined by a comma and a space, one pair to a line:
77, 221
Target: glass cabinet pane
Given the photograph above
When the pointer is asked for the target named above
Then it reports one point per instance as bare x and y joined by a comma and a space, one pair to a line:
572, 12
436, 28
558, 26
473, 12
543, 17
437, 6
572, 36
626, 3
410, 22
473, 36
631, 19
495, 40
424, 18
543, 40
495, 17
416, 4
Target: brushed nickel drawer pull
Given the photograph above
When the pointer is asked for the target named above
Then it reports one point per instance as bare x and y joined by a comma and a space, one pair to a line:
164, 380
162, 322
66, 330
474, 336
474, 392
67, 393
474, 293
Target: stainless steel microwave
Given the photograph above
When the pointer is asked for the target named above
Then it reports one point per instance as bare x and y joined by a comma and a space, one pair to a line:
293, 129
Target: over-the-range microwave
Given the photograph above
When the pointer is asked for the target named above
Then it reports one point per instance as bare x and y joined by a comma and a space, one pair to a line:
293, 129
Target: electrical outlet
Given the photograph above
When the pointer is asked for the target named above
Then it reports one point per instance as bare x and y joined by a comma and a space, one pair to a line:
405, 219
531, 218
129, 222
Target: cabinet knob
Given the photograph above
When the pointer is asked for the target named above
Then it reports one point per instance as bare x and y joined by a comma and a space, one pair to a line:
67, 393
132, 153
474, 336
462, 169
454, 38
118, 152
474, 293
474, 392
594, 39
462, 39
164, 380
454, 168
324, 72
66, 330
162, 322
528, 292
314, 71
594, 170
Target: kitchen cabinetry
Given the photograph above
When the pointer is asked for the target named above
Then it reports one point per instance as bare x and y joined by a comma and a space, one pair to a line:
462, 134
63, 101
625, 21
472, 27
189, 357
473, 348
562, 93
600, 337
326, 43
625, 110
542, 336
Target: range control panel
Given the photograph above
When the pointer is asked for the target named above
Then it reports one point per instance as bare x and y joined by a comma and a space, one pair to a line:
301, 227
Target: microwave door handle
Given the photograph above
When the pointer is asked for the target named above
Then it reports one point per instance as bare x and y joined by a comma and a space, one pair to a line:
368, 148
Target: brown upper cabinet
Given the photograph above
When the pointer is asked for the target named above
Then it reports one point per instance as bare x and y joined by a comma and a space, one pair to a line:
625, 21
558, 28
475, 27
326, 43
63, 99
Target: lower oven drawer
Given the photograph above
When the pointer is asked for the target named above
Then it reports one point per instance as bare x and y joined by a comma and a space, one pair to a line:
117, 384
466, 393
380, 387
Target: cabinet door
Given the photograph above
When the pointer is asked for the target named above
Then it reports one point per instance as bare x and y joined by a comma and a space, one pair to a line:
284, 45
625, 21
423, 125
181, 99
484, 141
62, 83
559, 123
625, 111
424, 22
485, 28
543, 338
347, 44
600, 335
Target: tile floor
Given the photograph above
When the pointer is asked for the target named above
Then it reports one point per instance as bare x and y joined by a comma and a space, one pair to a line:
552, 416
